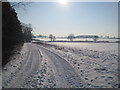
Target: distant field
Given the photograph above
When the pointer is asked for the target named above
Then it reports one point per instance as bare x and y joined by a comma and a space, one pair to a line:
109, 47
78, 39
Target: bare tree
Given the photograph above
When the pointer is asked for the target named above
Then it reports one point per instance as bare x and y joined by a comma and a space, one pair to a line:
21, 4
71, 37
54, 38
95, 38
51, 37
27, 32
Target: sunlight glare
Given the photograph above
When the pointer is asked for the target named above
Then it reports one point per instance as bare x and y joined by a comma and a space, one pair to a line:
63, 2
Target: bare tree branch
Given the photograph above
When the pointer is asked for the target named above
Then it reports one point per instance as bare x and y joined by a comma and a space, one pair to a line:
18, 5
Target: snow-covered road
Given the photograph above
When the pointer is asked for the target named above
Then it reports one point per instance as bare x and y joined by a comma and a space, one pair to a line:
23, 70
65, 74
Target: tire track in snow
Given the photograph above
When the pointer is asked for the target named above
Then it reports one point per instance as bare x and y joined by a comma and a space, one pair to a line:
65, 74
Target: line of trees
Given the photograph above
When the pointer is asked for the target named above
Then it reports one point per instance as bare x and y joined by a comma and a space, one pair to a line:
71, 37
14, 33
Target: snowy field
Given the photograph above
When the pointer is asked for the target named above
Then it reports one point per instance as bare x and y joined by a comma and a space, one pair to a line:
96, 63
78, 39
107, 47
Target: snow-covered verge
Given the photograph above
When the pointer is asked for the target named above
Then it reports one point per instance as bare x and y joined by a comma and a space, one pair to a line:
11, 68
98, 68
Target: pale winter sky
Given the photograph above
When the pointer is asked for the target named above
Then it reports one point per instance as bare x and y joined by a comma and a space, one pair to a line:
64, 18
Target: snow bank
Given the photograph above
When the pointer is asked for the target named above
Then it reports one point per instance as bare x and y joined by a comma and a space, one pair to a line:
13, 67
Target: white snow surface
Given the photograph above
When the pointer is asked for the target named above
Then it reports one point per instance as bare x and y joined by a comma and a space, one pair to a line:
98, 67
105, 47
63, 66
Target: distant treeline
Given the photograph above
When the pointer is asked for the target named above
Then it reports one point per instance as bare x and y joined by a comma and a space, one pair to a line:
78, 36
13, 33
86, 36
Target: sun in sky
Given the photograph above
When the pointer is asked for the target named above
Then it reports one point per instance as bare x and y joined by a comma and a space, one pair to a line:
63, 2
